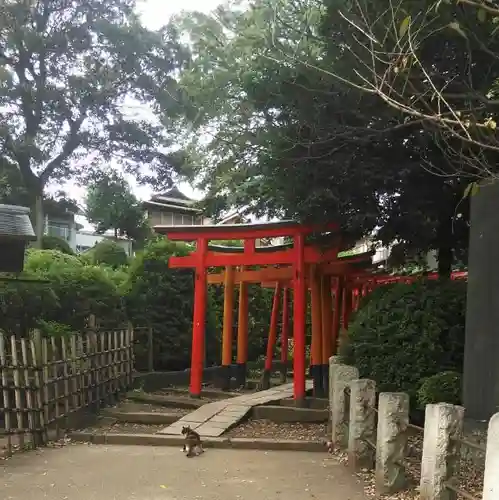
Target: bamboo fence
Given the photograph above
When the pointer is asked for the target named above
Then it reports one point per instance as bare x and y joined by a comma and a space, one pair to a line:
43, 381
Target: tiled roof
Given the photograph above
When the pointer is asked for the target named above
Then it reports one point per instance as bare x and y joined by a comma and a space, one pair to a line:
15, 223
174, 192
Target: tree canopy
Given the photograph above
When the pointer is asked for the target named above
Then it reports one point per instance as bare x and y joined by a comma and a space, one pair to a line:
110, 204
436, 62
71, 74
272, 129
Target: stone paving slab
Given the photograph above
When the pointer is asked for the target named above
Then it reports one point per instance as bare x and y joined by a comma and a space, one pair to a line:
213, 419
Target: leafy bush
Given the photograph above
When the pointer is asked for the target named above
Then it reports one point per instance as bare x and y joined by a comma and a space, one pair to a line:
444, 387
163, 298
403, 334
109, 253
83, 291
54, 329
47, 262
69, 293
23, 304
55, 243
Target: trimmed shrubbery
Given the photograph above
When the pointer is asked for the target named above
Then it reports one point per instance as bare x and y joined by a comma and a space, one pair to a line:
55, 243
403, 334
64, 290
444, 387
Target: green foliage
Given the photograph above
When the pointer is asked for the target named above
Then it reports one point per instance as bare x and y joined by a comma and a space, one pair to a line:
110, 204
404, 333
72, 293
55, 243
45, 263
443, 387
12, 189
110, 253
162, 298
54, 329
288, 138
148, 293
66, 69
23, 304
85, 291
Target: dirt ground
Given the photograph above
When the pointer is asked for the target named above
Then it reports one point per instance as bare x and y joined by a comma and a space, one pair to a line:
89, 472
256, 428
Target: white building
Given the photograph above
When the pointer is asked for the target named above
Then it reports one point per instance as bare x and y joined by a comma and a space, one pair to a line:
84, 240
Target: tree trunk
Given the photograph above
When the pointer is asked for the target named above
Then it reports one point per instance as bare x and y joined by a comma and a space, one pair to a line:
38, 217
445, 259
445, 246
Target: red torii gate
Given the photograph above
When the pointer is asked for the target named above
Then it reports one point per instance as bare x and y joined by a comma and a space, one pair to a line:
321, 280
297, 256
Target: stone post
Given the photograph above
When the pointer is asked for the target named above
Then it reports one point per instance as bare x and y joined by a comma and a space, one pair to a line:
333, 362
343, 375
441, 450
391, 443
362, 425
491, 477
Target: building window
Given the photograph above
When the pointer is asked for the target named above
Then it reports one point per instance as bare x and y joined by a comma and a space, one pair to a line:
167, 218
59, 230
187, 220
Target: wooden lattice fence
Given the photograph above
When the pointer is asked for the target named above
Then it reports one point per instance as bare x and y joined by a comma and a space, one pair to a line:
43, 381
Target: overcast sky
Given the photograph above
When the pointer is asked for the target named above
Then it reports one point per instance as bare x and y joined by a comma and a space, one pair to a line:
155, 14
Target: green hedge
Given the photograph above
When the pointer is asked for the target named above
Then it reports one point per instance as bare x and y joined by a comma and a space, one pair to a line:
403, 334
163, 298
109, 253
63, 290
66, 289
55, 243
444, 387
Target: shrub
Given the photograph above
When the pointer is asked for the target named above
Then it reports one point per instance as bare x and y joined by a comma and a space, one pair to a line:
83, 291
54, 329
24, 304
55, 243
444, 387
47, 262
403, 334
73, 292
163, 298
109, 253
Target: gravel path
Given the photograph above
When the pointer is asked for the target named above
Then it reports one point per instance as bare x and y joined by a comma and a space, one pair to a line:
132, 406
268, 429
470, 478
124, 428
86, 472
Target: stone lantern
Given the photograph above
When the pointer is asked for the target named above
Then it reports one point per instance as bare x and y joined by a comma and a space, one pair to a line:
16, 232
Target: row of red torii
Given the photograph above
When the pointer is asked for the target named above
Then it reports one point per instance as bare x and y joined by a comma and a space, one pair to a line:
336, 285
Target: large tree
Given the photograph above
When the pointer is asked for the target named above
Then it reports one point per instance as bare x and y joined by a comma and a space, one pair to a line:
435, 62
70, 75
110, 204
277, 133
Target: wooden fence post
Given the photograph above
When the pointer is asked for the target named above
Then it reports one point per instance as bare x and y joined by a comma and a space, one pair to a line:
150, 349
7, 409
443, 431
491, 477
